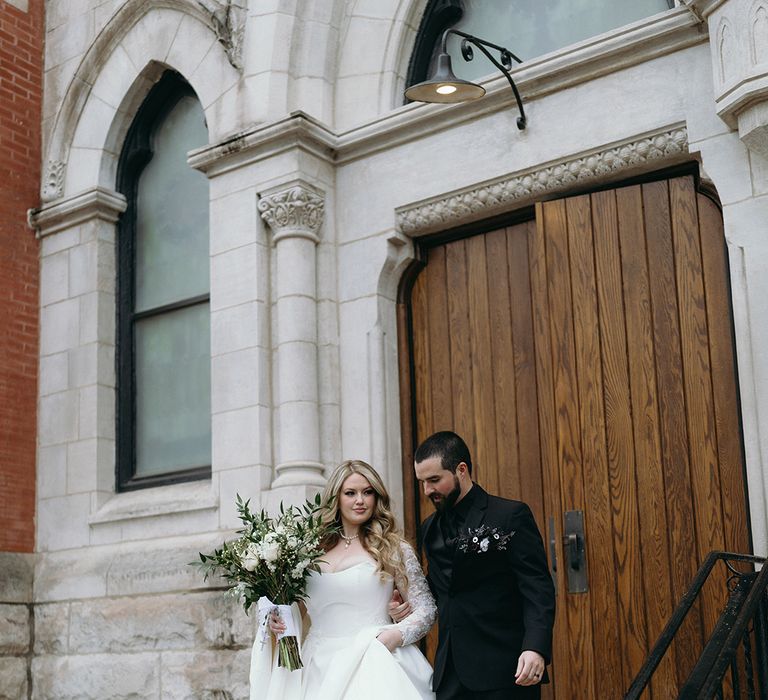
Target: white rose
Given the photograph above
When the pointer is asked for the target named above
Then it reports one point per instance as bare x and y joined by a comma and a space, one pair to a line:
270, 551
250, 557
250, 563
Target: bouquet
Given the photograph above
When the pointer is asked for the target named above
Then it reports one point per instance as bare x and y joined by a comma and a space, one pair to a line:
269, 565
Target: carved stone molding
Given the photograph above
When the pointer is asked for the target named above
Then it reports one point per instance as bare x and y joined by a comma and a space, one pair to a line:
53, 185
227, 19
505, 193
96, 203
293, 212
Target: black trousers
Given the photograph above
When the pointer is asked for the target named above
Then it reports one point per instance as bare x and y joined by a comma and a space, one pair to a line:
451, 688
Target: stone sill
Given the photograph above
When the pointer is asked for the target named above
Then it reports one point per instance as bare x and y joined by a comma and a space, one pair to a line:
158, 501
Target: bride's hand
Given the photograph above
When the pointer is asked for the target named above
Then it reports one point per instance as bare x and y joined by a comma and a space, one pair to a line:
276, 625
390, 638
398, 610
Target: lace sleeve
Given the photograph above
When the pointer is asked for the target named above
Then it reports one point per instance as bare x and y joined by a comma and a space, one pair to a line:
417, 593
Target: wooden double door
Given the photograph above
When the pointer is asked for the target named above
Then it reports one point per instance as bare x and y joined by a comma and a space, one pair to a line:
586, 356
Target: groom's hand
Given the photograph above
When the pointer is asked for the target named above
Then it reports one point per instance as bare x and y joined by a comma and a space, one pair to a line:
530, 668
398, 609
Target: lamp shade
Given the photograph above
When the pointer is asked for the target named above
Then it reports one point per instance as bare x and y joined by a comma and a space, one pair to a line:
444, 86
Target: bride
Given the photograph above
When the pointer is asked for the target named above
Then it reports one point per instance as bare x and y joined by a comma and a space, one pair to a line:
352, 650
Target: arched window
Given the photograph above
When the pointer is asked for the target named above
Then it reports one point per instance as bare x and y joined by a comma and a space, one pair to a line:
529, 28
163, 324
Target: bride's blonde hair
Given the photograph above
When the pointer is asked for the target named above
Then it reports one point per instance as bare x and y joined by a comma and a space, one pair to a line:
380, 535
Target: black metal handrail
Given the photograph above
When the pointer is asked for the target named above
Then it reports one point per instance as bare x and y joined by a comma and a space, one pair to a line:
747, 604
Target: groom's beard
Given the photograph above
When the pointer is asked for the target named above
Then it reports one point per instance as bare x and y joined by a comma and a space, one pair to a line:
443, 503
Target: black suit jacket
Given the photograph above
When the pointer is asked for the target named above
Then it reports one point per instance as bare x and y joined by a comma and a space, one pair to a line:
492, 605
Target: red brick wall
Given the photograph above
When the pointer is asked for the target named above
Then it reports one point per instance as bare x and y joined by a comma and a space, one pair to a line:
21, 74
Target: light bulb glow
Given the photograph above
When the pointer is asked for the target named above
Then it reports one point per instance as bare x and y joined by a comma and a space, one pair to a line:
445, 89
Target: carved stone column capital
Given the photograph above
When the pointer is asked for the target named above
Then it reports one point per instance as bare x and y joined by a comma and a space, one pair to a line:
294, 212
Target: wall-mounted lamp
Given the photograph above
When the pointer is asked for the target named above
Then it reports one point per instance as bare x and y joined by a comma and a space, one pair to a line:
444, 86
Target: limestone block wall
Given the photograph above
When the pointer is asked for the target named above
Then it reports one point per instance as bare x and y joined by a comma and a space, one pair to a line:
137, 622
16, 625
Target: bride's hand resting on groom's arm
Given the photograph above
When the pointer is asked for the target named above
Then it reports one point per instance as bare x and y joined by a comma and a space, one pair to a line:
398, 608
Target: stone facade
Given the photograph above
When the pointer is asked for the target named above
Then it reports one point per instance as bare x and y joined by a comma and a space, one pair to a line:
16, 624
320, 181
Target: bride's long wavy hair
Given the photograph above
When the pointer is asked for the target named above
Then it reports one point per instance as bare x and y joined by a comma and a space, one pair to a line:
380, 535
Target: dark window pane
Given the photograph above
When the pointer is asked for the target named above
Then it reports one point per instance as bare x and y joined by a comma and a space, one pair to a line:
172, 213
173, 404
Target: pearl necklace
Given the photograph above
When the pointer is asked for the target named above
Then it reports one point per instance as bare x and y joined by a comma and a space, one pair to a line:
348, 540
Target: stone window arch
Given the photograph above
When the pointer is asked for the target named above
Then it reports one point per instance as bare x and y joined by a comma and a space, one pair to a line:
163, 288
529, 28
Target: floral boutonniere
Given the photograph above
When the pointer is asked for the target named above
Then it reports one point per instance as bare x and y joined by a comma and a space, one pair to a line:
480, 540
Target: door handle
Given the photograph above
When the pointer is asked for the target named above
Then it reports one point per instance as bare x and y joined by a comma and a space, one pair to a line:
572, 542
576, 551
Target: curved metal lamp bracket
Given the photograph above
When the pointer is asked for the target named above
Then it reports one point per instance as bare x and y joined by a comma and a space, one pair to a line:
503, 64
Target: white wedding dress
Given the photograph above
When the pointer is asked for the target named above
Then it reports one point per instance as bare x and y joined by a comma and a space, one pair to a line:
342, 658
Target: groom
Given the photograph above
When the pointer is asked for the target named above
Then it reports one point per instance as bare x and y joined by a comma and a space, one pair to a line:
488, 572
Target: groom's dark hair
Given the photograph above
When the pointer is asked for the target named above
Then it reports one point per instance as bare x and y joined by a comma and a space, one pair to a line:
449, 447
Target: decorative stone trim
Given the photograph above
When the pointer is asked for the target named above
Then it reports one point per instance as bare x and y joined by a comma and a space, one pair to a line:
505, 193
96, 203
227, 19
53, 185
296, 131
293, 212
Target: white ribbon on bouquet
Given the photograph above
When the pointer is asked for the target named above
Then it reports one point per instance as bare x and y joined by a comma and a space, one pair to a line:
269, 681
284, 612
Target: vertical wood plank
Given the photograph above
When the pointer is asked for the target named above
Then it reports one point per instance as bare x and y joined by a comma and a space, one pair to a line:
609, 680
439, 347
460, 342
421, 356
502, 367
705, 474
526, 401
567, 428
423, 398
486, 463
673, 429
653, 527
619, 433
423, 387
562, 672
726, 401
411, 520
